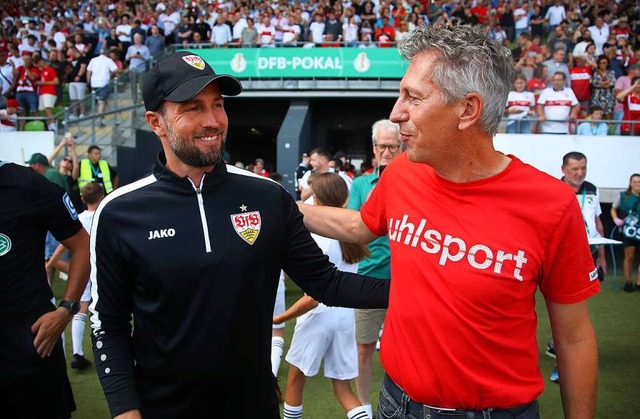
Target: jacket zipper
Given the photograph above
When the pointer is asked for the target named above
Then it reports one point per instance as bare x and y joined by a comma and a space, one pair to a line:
203, 217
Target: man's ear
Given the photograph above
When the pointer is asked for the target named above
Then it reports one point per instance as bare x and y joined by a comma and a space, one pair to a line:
472, 106
156, 122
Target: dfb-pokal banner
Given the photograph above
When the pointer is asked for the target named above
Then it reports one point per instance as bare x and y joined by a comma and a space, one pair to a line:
305, 63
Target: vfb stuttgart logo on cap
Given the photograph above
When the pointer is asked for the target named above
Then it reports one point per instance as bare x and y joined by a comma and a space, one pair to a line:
247, 225
194, 61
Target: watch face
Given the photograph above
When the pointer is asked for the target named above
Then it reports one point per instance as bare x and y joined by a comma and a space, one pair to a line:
72, 306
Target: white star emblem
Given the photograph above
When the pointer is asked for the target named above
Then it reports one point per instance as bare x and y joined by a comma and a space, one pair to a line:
243, 207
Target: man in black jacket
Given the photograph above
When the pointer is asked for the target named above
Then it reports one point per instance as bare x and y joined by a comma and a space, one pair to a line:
34, 382
194, 252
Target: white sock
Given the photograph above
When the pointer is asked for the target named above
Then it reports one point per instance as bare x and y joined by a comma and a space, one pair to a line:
277, 348
369, 409
77, 332
292, 412
358, 413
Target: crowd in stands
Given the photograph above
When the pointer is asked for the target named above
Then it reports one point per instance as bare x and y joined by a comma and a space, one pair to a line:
594, 43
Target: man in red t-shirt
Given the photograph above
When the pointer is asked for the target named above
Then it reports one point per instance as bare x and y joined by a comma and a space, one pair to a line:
630, 99
480, 11
580, 75
25, 78
473, 234
47, 93
385, 34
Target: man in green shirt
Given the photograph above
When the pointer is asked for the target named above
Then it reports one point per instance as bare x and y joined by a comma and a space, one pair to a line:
386, 146
40, 163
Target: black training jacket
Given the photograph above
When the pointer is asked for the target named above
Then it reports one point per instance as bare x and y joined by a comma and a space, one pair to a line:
197, 267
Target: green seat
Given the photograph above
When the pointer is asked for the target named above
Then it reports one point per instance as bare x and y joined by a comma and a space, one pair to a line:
34, 125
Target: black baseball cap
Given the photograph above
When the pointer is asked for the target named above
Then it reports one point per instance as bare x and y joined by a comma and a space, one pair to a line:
179, 77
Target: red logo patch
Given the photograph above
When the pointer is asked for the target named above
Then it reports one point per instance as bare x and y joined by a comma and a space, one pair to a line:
247, 225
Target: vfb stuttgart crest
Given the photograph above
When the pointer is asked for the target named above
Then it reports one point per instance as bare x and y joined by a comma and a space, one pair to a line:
247, 225
194, 61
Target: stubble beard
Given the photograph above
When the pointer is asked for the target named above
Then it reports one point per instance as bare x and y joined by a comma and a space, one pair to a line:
186, 150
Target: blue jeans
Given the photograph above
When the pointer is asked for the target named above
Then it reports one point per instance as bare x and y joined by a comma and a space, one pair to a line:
519, 127
618, 117
28, 101
102, 93
395, 404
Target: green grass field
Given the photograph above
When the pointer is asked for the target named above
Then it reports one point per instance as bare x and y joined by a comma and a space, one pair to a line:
616, 316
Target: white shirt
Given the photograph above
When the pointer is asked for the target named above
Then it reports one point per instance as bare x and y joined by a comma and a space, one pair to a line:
316, 29
86, 218
60, 39
556, 14
521, 23
599, 36
221, 34
266, 34
557, 106
126, 29
6, 77
350, 32
7, 122
522, 101
238, 27
289, 33
170, 22
101, 68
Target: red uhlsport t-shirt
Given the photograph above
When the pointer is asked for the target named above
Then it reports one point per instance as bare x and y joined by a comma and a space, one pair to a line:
48, 74
466, 261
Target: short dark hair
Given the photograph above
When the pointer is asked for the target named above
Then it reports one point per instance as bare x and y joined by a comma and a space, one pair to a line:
276, 176
595, 108
573, 155
93, 147
321, 151
92, 193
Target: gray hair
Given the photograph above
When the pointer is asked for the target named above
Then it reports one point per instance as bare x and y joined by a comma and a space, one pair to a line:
384, 124
467, 61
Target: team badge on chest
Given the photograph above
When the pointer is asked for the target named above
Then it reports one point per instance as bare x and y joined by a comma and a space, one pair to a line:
247, 225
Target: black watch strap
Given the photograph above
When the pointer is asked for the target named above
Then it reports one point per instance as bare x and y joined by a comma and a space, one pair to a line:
72, 306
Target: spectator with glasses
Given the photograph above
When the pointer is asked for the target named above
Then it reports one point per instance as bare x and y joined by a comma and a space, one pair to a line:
387, 146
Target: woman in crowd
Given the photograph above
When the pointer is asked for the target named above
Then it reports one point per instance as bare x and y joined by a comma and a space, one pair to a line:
520, 104
603, 83
623, 207
538, 83
323, 332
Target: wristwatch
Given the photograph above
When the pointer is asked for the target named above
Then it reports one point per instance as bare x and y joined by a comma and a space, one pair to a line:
72, 306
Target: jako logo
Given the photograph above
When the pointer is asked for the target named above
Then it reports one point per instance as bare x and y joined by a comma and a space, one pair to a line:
479, 256
161, 234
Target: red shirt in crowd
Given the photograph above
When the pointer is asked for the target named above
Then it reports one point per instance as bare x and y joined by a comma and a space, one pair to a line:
25, 84
631, 105
581, 82
48, 74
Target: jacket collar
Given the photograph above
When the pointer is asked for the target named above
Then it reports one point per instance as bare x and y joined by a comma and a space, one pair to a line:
211, 179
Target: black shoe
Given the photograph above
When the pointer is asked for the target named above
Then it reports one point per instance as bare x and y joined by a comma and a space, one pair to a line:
637, 287
79, 362
551, 351
628, 287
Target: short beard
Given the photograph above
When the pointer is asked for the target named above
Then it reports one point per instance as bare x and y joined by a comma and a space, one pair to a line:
186, 150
